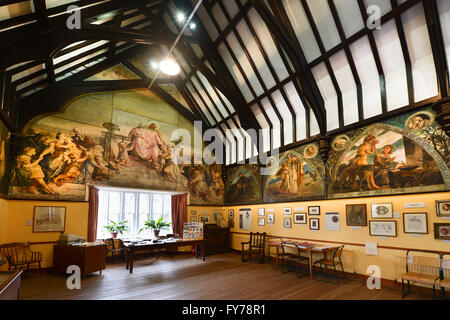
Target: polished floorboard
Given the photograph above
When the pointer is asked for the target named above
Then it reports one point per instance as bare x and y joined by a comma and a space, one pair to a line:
181, 277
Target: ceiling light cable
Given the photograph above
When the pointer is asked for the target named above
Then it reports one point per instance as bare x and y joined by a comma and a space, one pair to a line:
186, 24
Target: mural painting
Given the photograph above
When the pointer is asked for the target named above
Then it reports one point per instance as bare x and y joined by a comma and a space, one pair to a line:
205, 183
409, 153
3, 149
298, 176
243, 185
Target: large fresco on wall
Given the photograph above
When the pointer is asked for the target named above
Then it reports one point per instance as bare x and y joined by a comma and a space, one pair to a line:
3, 157
406, 154
243, 185
298, 175
59, 156
205, 183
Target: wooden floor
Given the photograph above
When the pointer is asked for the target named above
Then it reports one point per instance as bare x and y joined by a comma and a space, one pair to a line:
182, 277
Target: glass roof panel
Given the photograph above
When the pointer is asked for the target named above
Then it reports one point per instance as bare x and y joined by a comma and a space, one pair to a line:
329, 95
349, 16
324, 22
299, 109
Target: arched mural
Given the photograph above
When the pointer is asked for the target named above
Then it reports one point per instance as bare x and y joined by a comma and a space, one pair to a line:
299, 175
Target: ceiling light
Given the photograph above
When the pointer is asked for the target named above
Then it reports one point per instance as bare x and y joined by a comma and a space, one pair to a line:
169, 67
181, 17
192, 26
154, 65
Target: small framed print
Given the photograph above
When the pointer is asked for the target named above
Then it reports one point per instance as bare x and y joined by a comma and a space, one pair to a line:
204, 219
193, 219
442, 231
230, 223
443, 208
287, 211
49, 219
313, 223
287, 223
261, 212
383, 228
193, 212
231, 214
415, 223
270, 218
382, 210
300, 218
314, 210
356, 215
261, 221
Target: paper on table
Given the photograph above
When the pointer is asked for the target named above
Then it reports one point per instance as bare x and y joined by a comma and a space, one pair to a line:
371, 249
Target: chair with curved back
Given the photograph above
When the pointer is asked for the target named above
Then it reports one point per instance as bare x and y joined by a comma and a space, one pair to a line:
114, 250
19, 255
256, 245
332, 259
289, 258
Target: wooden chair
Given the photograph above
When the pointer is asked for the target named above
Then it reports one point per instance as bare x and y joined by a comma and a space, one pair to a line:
113, 249
19, 255
256, 245
332, 259
419, 277
289, 258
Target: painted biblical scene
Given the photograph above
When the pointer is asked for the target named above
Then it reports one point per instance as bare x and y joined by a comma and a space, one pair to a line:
243, 185
205, 183
117, 72
3, 150
403, 155
58, 157
298, 175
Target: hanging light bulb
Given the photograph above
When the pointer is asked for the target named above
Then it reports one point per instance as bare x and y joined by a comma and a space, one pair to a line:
169, 67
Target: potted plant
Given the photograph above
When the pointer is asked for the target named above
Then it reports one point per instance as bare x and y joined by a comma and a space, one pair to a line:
156, 226
116, 227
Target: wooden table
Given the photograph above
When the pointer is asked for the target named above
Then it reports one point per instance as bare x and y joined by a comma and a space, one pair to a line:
132, 248
10, 284
308, 247
90, 258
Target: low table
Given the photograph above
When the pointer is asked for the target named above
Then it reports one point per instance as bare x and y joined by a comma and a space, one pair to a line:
10, 284
132, 248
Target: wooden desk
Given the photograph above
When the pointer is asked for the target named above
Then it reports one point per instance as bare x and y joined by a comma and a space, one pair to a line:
89, 258
132, 248
308, 247
10, 284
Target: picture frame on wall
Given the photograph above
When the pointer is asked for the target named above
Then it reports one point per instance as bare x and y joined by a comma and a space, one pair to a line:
261, 212
356, 215
49, 219
382, 211
314, 224
193, 219
314, 210
231, 214
300, 218
415, 222
230, 223
443, 208
442, 231
383, 228
287, 211
261, 221
270, 218
287, 223
203, 219
193, 212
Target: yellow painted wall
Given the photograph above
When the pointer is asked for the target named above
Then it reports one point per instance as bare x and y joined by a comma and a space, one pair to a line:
354, 257
13, 221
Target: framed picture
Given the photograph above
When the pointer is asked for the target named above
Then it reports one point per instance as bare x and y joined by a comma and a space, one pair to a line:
314, 211
193, 219
300, 218
443, 208
313, 223
231, 214
382, 210
204, 219
49, 219
383, 228
356, 215
261, 221
230, 223
332, 221
442, 231
261, 212
287, 223
270, 218
287, 211
193, 212
415, 223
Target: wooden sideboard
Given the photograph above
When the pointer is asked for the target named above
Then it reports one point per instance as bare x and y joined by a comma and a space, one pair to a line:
218, 240
90, 258
10, 284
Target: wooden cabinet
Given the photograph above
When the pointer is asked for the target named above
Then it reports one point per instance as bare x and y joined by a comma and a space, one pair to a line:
10, 284
218, 239
89, 258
